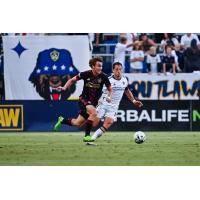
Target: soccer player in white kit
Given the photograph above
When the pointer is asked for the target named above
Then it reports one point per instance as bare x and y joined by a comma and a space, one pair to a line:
108, 111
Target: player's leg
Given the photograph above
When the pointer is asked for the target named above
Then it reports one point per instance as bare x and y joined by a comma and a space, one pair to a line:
106, 125
78, 122
110, 117
91, 110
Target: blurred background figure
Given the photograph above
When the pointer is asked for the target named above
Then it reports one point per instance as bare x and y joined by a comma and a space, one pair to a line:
187, 38
180, 57
137, 58
120, 50
146, 42
169, 61
192, 57
153, 61
169, 39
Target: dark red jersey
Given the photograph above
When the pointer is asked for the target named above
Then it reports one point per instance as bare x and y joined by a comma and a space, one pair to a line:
93, 86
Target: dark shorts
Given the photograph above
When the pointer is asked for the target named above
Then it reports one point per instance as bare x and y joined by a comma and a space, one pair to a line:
82, 104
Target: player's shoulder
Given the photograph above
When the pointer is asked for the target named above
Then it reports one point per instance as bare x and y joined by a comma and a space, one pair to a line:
104, 75
110, 77
86, 72
124, 78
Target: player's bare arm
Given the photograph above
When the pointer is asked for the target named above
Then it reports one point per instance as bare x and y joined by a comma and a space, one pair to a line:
132, 99
69, 83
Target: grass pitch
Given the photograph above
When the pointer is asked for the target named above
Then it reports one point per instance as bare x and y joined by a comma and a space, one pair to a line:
113, 149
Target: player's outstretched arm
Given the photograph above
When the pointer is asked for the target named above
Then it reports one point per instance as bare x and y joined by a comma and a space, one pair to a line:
69, 83
132, 99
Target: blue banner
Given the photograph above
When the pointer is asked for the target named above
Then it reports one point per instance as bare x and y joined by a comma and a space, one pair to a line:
37, 115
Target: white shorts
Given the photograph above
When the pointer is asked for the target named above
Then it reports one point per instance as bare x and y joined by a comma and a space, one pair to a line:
106, 111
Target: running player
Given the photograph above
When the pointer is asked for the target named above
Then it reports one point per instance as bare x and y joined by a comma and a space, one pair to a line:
94, 81
108, 110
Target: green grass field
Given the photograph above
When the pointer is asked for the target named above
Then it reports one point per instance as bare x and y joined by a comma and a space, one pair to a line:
160, 149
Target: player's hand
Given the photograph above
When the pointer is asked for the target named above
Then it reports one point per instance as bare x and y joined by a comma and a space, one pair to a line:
108, 99
60, 88
137, 103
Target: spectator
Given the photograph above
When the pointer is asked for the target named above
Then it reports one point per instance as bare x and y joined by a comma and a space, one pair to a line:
153, 61
169, 39
146, 42
120, 49
192, 57
169, 61
98, 39
137, 58
131, 37
91, 37
180, 56
187, 38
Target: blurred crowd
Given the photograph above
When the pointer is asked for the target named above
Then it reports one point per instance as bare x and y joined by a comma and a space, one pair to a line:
170, 54
138, 53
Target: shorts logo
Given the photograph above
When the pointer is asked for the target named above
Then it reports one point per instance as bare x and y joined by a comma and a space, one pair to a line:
54, 55
11, 117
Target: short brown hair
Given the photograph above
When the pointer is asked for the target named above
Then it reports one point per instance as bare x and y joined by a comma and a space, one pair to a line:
93, 61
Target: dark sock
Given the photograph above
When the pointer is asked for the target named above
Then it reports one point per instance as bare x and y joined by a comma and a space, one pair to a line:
88, 127
67, 121
103, 129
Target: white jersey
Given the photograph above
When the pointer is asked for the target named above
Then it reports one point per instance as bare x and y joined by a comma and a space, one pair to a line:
153, 61
118, 88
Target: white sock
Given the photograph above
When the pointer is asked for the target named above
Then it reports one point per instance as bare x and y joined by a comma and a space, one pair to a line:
98, 133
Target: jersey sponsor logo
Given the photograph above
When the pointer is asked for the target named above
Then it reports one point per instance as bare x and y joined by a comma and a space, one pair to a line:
11, 117
92, 85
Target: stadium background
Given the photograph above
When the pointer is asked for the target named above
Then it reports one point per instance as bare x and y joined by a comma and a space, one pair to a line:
176, 108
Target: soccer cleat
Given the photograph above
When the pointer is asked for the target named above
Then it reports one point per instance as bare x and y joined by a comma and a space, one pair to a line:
58, 124
88, 139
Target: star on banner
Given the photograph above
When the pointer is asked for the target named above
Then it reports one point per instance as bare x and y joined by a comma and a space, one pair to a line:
19, 49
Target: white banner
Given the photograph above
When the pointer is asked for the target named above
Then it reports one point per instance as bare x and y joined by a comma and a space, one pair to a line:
35, 65
154, 86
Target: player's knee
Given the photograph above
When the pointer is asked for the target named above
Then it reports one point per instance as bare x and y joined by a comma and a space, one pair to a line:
108, 123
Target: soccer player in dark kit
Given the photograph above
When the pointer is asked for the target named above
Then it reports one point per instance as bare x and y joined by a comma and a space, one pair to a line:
94, 80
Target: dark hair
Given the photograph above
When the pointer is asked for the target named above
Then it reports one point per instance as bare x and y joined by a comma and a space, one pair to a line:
167, 46
194, 44
169, 35
116, 63
123, 39
93, 61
